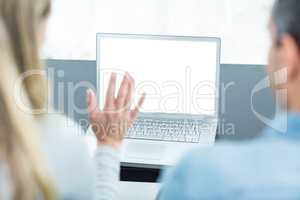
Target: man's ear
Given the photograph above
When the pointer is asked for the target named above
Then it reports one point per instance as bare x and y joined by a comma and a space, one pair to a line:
290, 56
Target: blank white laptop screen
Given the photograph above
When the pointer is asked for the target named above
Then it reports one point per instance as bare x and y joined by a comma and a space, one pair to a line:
178, 76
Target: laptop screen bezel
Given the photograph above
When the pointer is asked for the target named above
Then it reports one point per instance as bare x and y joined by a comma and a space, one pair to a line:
217, 40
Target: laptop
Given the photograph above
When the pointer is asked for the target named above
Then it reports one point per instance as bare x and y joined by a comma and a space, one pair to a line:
180, 76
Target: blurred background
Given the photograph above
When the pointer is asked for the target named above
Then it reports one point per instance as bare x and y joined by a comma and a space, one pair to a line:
242, 25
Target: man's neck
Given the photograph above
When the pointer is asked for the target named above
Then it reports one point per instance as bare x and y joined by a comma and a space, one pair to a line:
294, 98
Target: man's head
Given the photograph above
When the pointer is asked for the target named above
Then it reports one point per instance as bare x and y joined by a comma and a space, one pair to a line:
284, 55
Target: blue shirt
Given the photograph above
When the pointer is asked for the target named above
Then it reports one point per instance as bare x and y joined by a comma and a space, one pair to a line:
267, 168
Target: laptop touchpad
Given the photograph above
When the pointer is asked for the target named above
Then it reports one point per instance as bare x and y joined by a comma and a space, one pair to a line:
145, 151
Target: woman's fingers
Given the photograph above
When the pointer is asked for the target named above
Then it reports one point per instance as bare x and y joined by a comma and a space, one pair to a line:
110, 94
91, 102
123, 92
105, 122
128, 100
124, 97
134, 113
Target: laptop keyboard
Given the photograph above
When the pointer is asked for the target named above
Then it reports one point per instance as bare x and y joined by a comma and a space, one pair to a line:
171, 130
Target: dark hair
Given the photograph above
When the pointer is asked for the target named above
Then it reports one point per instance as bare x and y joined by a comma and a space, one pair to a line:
286, 16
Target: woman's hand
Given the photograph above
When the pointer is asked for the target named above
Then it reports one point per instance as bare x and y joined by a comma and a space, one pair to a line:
112, 123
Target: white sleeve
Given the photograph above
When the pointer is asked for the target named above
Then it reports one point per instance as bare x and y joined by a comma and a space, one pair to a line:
107, 161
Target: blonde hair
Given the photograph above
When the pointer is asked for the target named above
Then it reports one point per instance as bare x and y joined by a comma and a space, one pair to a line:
19, 45
23, 20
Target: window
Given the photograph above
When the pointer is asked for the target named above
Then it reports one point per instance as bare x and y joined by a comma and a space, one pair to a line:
242, 24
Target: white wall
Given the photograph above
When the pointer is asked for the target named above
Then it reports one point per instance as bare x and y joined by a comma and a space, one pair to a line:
242, 24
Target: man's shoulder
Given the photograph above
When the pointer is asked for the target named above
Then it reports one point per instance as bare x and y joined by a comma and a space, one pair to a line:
241, 160
223, 153
226, 167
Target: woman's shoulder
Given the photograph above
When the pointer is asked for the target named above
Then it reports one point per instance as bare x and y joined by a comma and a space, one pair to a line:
5, 182
67, 155
57, 123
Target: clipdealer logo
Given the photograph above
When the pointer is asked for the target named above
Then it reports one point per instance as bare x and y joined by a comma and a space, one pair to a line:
280, 77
